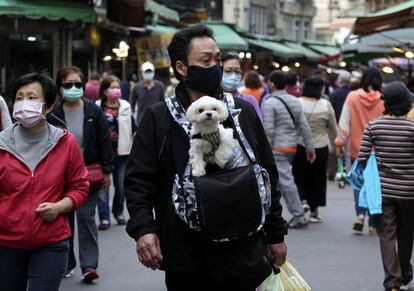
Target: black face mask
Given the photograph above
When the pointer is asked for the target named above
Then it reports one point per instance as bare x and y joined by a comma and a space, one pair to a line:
205, 80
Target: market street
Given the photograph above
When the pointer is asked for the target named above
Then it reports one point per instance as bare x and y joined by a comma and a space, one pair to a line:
328, 255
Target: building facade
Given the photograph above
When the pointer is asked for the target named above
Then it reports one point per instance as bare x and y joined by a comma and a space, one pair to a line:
376, 5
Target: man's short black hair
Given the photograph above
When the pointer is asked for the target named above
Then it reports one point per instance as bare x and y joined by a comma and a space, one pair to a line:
312, 87
371, 77
279, 79
292, 79
48, 86
180, 44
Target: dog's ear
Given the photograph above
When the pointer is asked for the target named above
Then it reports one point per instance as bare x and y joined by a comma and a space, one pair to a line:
191, 112
222, 110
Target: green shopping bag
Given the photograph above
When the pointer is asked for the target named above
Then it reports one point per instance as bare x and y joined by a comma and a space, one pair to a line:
291, 280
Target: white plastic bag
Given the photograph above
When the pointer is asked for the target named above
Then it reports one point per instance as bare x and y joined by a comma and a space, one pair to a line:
287, 280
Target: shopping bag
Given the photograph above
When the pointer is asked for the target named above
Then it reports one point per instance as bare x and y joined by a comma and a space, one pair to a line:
272, 283
340, 175
291, 280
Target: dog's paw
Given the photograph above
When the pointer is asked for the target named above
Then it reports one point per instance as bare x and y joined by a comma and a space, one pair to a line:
198, 172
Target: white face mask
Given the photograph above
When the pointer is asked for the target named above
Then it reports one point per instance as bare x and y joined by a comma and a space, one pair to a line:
28, 113
148, 76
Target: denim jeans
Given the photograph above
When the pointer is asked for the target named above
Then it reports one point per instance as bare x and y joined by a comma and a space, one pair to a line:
362, 210
88, 234
42, 268
119, 195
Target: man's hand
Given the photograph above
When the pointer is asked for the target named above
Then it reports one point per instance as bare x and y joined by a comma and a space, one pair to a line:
107, 179
149, 251
48, 211
279, 252
311, 157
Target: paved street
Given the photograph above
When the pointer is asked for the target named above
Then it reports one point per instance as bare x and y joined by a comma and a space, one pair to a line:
328, 255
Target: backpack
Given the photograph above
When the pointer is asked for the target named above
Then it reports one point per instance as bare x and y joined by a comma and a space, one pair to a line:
227, 204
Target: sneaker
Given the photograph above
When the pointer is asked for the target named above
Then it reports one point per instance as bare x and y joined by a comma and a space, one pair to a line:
305, 206
315, 219
69, 273
298, 222
90, 275
120, 218
104, 225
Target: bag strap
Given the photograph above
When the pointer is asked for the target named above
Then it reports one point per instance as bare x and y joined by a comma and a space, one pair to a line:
178, 113
287, 108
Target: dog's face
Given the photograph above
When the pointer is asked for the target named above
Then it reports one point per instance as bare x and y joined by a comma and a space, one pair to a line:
207, 109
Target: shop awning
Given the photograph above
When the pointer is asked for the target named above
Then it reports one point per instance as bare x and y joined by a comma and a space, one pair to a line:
322, 48
49, 9
308, 53
381, 42
226, 37
278, 49
161, 10
398, 16
161, 29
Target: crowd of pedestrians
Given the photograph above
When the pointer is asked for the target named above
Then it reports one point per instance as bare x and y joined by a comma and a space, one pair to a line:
292, 129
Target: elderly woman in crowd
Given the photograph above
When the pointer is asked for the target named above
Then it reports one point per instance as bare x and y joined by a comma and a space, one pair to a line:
42, 178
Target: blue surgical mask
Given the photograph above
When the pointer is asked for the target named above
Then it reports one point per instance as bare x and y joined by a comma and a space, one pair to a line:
148, 76
231, 82
73, 94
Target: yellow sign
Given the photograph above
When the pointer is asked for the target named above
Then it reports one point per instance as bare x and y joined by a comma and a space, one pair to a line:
95, 36
154, 49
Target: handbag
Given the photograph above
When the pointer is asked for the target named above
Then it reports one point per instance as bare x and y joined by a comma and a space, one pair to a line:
95, 176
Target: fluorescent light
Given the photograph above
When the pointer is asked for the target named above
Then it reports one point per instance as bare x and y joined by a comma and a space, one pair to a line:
342, 64
31, 38
388, 70
107, 58
241, 55
248, 55
285, 69
276, 65
297, 64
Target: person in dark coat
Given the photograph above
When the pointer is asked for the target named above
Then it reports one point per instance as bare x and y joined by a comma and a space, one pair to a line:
160, 151
86, 121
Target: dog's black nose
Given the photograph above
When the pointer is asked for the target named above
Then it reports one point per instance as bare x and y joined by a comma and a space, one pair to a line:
208, 114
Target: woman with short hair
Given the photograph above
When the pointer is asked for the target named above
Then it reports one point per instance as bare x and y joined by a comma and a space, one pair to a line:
86, 121
231, 81
42, 178
391, 137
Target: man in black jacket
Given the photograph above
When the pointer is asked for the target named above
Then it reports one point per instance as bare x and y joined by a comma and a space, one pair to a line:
160, 151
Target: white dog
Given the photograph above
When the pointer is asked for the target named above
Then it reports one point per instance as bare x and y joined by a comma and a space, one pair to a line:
211, 142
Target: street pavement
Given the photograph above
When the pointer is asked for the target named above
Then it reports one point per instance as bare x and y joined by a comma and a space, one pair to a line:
329, 255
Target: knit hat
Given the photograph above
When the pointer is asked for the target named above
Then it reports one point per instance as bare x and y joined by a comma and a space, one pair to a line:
397, 97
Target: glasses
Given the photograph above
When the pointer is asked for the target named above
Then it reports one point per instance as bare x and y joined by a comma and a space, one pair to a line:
70, 85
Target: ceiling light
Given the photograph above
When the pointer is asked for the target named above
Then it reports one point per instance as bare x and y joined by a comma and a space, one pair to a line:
241, 55
285, 69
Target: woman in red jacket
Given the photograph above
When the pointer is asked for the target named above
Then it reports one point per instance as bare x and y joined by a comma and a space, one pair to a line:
42, 179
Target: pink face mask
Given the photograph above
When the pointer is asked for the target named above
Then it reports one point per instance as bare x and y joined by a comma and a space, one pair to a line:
114, 94
28, 113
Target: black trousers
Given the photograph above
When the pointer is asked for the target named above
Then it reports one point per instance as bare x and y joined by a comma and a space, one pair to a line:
395, 229
190, 281
311, 178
